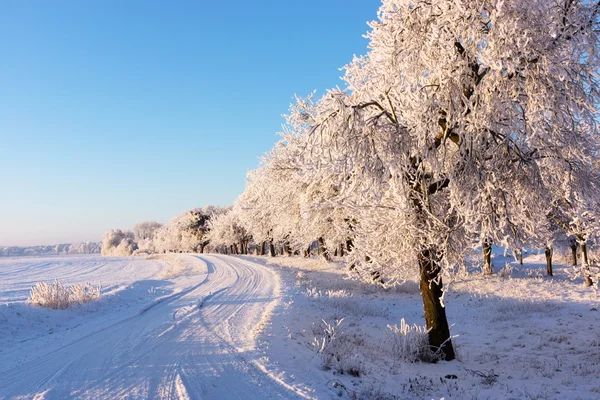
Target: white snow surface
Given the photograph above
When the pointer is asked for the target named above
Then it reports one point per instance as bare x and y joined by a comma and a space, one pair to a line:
221, 327
176, 326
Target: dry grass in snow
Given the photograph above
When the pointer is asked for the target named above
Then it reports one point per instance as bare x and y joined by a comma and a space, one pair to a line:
59, 297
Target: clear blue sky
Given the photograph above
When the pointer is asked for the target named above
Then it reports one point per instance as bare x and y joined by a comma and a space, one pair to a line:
115, 112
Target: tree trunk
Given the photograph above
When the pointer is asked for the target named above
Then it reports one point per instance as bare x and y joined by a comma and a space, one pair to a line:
323, 249
335, 252
262, 248
487, 257
341, 250
349, 244
435, 313
574, 252
288, 249
235, 248
585, 266
548, 252
521, 257
272, 248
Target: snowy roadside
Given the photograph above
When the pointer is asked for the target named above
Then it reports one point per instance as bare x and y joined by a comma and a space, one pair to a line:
521, 335
129, 285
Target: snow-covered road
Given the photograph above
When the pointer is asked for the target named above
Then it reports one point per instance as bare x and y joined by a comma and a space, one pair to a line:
196, 342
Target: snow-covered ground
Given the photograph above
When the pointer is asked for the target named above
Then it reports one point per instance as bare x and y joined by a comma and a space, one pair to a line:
518, 336
176, 326
221, 327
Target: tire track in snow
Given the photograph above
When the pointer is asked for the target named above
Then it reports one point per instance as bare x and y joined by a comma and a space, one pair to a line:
197, 343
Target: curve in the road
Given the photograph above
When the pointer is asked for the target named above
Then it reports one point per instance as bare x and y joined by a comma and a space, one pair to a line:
196, 344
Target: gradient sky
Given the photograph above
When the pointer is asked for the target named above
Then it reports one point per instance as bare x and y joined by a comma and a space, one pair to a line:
114, 112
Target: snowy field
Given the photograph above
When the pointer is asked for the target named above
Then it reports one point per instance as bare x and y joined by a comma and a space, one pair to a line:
518, 336
171, 327
221, 327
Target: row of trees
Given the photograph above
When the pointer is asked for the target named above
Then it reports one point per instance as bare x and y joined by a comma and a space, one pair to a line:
65, 248
467, 124
187, 232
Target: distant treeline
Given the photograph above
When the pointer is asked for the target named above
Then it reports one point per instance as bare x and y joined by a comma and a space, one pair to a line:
65, 248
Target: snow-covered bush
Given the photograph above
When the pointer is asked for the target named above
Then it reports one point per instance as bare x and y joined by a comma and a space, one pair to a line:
59, 297
409, 343
118, 243
337, 349
506, 272
81, 294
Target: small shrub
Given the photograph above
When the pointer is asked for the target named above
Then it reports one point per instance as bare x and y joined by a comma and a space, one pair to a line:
336, 349
409, 343
59, 297
506, 272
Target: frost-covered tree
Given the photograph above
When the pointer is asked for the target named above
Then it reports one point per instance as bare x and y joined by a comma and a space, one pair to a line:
450, 131
283, 203
187, 232
144, 235
225, 230
118, 243
83, 248
145, 230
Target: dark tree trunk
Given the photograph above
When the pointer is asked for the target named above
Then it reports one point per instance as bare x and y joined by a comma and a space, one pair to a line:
341, 250
349, 244
263, 246
548, 252
585, 267
201, 250
335, 252
487, 257
435, 313
323, 249
574, 252
307, 251
288, 249
376, 277
272, 248
521, 257
235, 249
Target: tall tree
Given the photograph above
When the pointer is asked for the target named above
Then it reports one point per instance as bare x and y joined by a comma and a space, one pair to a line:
453, 127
